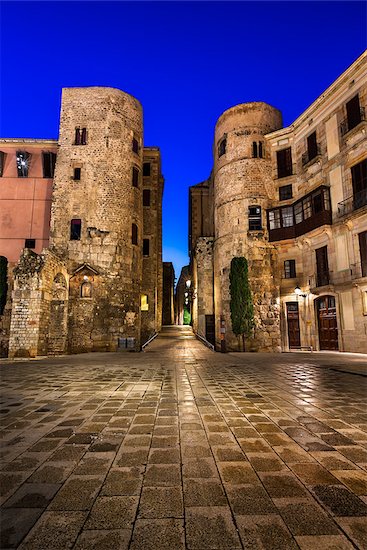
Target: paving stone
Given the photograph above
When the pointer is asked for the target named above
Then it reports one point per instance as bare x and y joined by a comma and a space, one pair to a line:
92, 465
45, 445
54, 530
103, 540
229, 454
32, 495
131, 457
52, 473
161, 475
324, 542
313, 474
195, 451
250, 500
164, 456
124, 481
340, 501
238, 473
266, 462
199, 468
356, 529
116, 512
265, 532
355, 480
306, 518
162, 534
161, 502
78, 493
283, 485
210, 528
200, 492
15, 524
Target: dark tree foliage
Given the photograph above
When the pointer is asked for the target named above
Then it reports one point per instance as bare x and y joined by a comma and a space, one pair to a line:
242, 309
3, 282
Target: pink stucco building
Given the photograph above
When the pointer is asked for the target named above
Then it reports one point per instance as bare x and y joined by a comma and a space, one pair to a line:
26, 175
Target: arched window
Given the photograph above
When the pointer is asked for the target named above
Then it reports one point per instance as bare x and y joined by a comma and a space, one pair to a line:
254, 149
86, 290
258, 150
134, 233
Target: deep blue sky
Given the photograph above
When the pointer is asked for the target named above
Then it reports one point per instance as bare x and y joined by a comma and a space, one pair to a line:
186, 62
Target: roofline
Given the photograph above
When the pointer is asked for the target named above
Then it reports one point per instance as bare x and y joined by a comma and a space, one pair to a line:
28, 140
344, 77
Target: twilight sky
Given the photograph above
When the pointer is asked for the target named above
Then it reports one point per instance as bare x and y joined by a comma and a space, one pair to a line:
185, 61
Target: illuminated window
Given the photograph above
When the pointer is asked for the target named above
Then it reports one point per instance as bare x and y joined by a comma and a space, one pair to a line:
254, 218
144, 305
23, 160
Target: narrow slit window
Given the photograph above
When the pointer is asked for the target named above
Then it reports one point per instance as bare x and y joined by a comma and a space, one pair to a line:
135, 177
134, 233
146, 197
135, 146
75, 229
80, 136
146, 245
261, 150
144, 303
254, 149
77, 174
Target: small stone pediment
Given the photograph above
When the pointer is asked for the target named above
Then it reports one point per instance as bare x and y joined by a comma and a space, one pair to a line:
85, 268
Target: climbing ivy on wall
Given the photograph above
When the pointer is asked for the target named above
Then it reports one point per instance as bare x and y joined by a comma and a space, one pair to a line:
242, 309
3, 282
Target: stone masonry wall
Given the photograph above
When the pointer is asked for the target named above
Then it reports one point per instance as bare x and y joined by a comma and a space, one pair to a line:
107, 203
241, 181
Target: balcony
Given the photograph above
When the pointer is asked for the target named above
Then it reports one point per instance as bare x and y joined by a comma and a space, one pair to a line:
352, 203
311, 156
304, 215
348, 124
326, 278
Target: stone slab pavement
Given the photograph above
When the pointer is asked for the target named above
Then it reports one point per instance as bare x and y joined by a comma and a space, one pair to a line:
179, 447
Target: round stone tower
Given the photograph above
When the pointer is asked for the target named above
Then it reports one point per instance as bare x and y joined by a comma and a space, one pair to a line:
243, 187
96, 219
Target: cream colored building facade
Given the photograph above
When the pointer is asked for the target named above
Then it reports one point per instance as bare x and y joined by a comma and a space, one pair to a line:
308, 235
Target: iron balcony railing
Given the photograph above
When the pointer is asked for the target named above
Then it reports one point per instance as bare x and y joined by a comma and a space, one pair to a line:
353, 272
352, 203
311, 155
348, 124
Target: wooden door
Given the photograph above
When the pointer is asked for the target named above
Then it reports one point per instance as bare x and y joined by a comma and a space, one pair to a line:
293, 325
328, 328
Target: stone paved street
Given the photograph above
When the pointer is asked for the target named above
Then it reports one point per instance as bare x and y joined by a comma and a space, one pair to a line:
179, 447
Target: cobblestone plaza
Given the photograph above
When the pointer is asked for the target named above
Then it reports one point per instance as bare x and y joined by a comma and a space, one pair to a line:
182, 448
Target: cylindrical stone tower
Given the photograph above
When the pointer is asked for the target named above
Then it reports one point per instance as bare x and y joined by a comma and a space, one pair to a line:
243, 187
96, 219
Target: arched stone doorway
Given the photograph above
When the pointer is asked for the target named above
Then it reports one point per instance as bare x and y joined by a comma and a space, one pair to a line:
327, 323
58, 331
